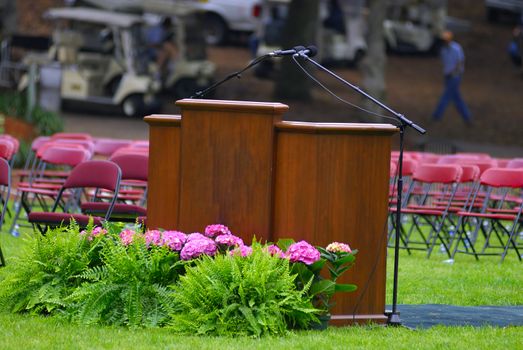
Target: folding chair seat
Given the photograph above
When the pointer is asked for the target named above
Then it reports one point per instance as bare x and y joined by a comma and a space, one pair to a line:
133, 189
92, 174
5, 190
39, 189
499, 219
428, 221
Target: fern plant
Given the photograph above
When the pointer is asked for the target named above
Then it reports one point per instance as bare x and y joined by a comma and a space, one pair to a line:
129, 287
47, 271
234, 295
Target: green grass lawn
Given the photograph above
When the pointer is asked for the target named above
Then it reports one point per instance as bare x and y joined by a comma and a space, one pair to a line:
421, 280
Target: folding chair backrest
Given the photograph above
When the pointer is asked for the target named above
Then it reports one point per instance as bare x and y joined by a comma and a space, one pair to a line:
470, 173
106, 147
7, 149
133, 166
5, 173
408, 167
72, 136
515, 163
38, 142
5, 181
437, 173
58, 155
502, 177
14, 141
96, 174
87, 144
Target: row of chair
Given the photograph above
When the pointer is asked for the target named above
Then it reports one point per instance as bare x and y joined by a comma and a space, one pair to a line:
76, 176
465, 205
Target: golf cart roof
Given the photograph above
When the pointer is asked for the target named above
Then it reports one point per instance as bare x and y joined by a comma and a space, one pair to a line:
93, 16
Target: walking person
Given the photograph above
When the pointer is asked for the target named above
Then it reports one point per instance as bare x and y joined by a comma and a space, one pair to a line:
453, 60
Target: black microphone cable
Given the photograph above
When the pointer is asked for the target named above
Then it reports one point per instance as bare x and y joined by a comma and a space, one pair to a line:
338, 97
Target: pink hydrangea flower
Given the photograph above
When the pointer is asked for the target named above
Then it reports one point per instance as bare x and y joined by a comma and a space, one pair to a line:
242, 250
229, 240
97, 232
194, 236
197, 247
153, 237
337, 247
174, 239
213, 231
274, 250
127, 236
303, 252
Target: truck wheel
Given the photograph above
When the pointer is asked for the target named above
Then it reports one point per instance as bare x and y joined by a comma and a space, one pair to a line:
133, 106
215, 30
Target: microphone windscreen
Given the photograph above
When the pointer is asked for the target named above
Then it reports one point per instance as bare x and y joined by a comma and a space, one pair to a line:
313, 50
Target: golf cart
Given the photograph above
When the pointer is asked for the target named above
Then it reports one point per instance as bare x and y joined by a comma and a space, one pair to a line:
190, 70
93, 59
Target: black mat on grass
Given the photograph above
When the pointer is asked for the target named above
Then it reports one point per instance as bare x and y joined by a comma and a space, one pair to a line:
428, 315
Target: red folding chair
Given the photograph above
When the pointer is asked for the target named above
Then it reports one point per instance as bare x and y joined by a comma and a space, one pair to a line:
95, 175
427, 221
40, 188
498, 220
133, 190
5, 190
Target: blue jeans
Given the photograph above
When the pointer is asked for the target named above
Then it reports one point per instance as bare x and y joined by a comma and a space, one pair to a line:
451, 93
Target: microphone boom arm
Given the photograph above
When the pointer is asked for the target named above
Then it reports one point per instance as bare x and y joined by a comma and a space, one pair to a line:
202, 93
399, 116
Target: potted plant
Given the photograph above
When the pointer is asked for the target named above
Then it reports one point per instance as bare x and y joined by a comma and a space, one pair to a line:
318, 269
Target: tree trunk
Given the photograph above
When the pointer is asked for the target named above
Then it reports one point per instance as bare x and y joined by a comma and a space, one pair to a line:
300, 29
373, 65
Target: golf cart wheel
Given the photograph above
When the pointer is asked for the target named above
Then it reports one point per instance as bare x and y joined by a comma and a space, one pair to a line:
185, 87
133, 106
215, 29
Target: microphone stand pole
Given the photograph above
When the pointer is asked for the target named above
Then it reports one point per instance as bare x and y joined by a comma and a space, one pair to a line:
237, 74
394, 316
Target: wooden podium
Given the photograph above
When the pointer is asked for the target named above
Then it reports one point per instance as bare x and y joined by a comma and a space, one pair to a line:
237, 163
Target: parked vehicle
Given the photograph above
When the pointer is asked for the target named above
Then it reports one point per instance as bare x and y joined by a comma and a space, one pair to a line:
93, 58
338, 40
189, 70
224, 16
512, 8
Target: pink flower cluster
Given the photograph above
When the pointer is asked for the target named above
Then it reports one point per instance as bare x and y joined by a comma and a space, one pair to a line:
337, 247
96, 232
229, 240
303, 252
174, 240
197, 247
213, 231
127, 236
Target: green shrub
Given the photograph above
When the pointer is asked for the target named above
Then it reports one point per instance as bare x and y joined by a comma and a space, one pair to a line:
42, 276
15, 105
129, 287
234, 295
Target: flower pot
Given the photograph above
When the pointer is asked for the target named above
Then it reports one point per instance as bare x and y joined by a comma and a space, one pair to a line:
18, 128
322, 324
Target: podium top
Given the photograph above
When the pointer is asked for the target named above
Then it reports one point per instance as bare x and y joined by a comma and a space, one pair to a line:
233, 106
323, 128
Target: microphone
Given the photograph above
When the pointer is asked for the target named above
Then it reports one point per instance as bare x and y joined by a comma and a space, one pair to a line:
310, 51
293, 51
